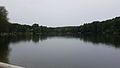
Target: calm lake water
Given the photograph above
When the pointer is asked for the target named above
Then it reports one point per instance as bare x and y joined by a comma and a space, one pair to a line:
61, 51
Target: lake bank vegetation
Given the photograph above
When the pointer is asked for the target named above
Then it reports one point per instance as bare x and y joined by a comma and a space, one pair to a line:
108, 27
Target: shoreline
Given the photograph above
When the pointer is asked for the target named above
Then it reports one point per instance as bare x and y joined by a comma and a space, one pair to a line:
15, 34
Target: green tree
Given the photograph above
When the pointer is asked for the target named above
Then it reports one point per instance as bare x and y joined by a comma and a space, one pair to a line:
4, 24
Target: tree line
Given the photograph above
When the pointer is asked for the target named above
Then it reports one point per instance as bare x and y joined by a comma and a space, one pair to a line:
111, 27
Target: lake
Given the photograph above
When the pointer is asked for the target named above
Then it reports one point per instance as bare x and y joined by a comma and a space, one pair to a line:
61, 51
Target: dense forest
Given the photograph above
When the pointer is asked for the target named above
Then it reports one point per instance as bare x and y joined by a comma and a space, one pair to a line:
108, 27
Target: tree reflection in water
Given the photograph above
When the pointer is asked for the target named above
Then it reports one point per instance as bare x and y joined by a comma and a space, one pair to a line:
4, 50
113, 41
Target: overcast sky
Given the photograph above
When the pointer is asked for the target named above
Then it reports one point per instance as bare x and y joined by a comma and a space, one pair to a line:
60, 12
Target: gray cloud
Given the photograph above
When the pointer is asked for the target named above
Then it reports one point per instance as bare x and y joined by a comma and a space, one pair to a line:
60, 12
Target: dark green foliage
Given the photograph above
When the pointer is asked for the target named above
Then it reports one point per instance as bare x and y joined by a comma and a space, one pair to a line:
19, 28
111, 27
4, 24
36, 29
3, 13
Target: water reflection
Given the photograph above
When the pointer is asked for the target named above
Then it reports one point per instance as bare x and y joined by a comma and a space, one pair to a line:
95, 39
4, 49
103, 39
